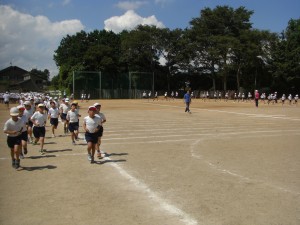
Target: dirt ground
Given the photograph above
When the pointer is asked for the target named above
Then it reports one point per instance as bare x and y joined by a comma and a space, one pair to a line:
225, 163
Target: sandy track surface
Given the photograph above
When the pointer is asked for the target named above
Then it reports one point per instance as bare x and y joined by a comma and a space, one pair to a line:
226, 163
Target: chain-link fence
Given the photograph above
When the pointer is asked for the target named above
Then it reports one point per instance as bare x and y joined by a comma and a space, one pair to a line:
97, 84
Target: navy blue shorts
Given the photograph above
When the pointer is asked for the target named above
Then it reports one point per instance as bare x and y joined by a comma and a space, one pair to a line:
91, 137
12, 141
39, 132
30, 124
24, 136
100, 132
63, 116
73, 126
54, 121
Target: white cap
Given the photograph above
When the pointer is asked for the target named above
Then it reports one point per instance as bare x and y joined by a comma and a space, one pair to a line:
14, 111
27, 103
97, 104
20, 107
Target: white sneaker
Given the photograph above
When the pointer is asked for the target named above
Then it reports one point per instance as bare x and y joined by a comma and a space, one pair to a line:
89, 157
53, 135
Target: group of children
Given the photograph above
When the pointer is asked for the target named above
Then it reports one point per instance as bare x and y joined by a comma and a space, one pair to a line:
28, 120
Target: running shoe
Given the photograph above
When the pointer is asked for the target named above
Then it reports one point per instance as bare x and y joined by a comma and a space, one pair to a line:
13, 163
92, 160
89, 157
99, 155
17, 164
73, 142
21, 156
25, 151
103, 153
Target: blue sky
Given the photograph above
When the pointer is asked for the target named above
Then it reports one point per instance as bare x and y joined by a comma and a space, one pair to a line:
31, 30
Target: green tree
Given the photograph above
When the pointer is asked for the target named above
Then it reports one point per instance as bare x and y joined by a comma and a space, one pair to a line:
213, 35
285, 59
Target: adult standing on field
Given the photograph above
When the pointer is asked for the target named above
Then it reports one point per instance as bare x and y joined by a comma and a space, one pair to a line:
256, 97
187, 99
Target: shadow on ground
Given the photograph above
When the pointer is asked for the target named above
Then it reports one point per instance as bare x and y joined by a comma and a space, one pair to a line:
59, 150
40, 156
33, 168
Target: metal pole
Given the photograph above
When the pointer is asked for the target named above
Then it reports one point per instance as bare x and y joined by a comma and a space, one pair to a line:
129, 90
153, 83
73, 84
100, 94
255, 78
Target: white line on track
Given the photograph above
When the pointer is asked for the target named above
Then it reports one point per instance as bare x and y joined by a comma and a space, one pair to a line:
142, 187
234, 174
165, 205
199, 134
230, 112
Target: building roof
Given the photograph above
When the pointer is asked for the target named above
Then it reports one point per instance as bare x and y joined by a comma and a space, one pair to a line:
12, 68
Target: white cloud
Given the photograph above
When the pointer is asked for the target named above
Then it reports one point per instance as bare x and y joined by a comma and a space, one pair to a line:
129, 21
130, 5
29, 42
162, 2
66, 2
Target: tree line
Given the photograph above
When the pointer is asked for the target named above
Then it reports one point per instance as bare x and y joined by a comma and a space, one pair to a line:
219, 50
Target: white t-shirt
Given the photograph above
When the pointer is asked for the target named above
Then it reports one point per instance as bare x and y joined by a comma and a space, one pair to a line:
92, 123
11, 125
39, 118
6, 97
24, 120
21, 102
53, 112
72, 116
102, 117
64, 108
29, 113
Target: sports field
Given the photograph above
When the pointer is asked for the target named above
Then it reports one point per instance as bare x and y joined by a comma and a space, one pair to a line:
225, 164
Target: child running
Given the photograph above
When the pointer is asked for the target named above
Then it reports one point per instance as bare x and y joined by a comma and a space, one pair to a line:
73, 118
91, 126
39, 120
53, 114
13, 128
24, 133
63, 109
28, 112
100, 132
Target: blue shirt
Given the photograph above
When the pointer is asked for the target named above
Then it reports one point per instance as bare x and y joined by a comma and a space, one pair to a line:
187, 97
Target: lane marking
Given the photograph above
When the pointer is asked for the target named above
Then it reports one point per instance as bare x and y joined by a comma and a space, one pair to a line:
234, 174
198, 134
236, 113
164, 204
